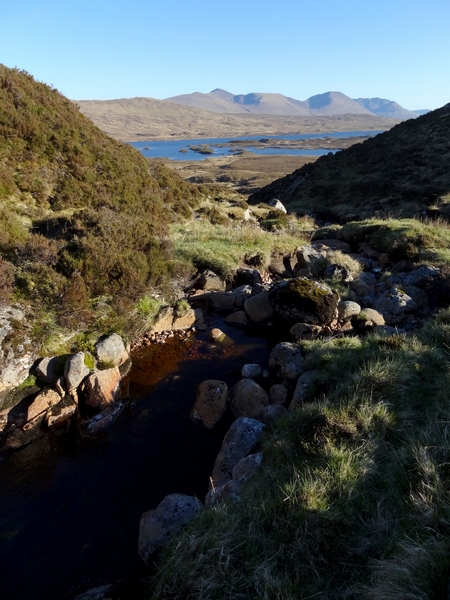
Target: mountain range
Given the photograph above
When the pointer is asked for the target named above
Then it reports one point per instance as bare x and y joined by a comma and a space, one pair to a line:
327, 104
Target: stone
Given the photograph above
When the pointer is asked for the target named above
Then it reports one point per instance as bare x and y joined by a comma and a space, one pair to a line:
209, 281
104, 419
216, 335
304, 384
332, 245
286, 359
394, 304
280, 265
247, 467
242, 293
306, 256
277, 204
421, 276
157, 526
163, 321
348, 309
258, 308
60, 386
61, 413
278, 394
247, 399
223, 301
302, 300
272, 413
42, 403
103, 388
199, 319
186, 321
75, 371
230, 491
245, 276
111, 350
337, 272
210, 404
367, 320
237, 319
49, 368
418, 295
304, 331
239, 441
251, 371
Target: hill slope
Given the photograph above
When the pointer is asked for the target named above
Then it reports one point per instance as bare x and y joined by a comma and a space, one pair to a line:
386, 108
81, 215
400, 172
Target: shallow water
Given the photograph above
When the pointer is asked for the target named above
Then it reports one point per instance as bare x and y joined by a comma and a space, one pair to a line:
70, 506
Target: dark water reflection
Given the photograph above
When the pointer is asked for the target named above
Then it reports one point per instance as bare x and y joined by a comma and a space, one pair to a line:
70, 507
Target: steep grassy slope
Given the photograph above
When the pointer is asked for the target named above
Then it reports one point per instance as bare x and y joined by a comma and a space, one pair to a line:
401, 172
82, 216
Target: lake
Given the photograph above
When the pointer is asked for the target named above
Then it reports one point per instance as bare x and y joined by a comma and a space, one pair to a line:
171, 148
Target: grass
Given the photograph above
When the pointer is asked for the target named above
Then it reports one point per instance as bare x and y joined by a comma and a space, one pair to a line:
352, 499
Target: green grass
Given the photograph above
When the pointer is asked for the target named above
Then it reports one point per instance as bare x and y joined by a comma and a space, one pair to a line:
352, 499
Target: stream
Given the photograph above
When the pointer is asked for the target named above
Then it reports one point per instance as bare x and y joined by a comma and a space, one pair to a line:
70, 506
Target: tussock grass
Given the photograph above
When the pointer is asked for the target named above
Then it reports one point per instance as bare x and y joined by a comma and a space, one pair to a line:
352, 499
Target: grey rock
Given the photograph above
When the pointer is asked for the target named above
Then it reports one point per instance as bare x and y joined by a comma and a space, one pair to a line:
367, 320
104, 419
258, 308
247, 467
307, 255
209, 281
304, 331
158, 525
278, 394
98, 593
49, 368
246, 276
394, 304
418, 295
277, 204
111, 350
75, 371
302, 388
210, 404
242, 293
272, 413
337, 273
239, 441
251, 371
230, 491
247, 399
348, 309
332, 245
237, 319
223, 301
287, 360
422, 275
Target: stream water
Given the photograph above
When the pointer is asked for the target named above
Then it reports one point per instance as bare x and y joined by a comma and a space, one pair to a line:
70, 506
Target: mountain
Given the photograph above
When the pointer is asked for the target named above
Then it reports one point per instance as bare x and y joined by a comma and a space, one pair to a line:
386, 108
221, 101
421, 111
133, 119
400, 173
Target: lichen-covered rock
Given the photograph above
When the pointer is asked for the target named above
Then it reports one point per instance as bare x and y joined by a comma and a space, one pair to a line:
302, 300
230, 491
247, 467
258, 308
348, 309
247, 399
287, 360
158, 525
111, 350
277, 204
102, 388
210, 404
307, 255
239, 441
75, 371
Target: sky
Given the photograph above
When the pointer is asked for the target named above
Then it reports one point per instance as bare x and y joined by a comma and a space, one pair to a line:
105, 49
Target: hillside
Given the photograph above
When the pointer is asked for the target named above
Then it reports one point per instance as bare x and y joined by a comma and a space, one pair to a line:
82, 216
401, 172
387, 108
133, 119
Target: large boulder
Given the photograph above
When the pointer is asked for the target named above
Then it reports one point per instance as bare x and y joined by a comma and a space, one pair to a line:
246, 276
185, 321
303, 386
302, 300
102, 388
258, 308
49, 368
287, 360
307, 255
239, 441
75, 372
43, 401
394, 304
247, 399
209, 282
422, 276
169, 517
210, 404
111, 350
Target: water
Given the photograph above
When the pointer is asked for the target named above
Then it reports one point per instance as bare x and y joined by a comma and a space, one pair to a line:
171, 148
70, 507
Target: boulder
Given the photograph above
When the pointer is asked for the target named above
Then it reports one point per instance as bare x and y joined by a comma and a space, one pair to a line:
230, 491
242, 293
102, 388
258, 308
303, 300
169, 517
75, 371
247, 467
337, 272
103, 592
418, 295
245, 276
209, 281
302, 388
277, 204
251, 371
422, 276
104, 419
367, 320
42, 403
394, 304
49, 368
186, 321
278, 394
61, 413
272, 413
307, 255
163, 320
304, 331
286, 360
237, 319
210, 404
239, 441
348, 309
111, 350
247, 399
223, 301
332, 245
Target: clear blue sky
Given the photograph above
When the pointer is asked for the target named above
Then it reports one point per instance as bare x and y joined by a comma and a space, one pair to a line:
102, 49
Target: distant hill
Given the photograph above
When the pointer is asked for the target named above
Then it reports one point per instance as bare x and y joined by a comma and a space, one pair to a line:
421, 111
400, 172
221, 101
386, 108
131, 119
